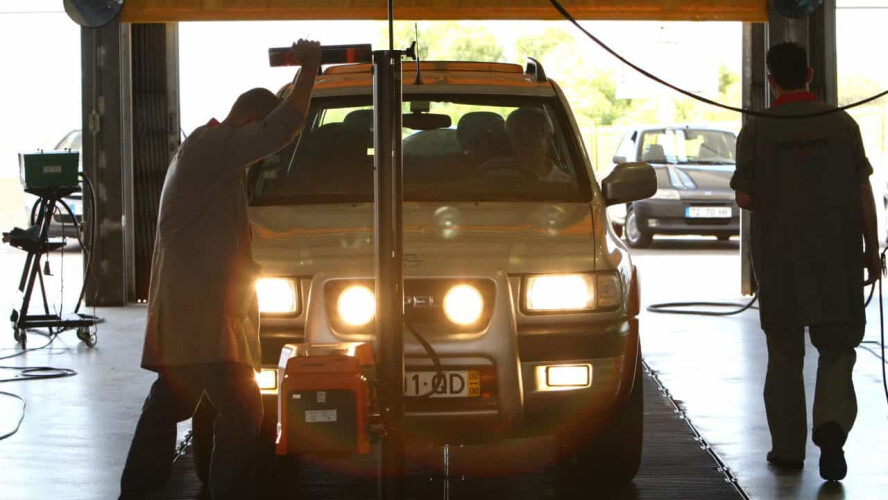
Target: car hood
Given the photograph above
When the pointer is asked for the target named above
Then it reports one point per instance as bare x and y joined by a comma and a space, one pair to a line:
439, 238
704, 177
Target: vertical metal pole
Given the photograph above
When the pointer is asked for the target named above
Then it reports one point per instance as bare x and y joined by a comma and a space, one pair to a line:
389, 279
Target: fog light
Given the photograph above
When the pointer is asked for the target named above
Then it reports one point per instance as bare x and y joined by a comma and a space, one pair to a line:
267, 379
463, 304
568, 376
653, 222
356, 305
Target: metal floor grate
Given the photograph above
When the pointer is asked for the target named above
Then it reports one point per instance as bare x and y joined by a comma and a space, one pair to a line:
675, 465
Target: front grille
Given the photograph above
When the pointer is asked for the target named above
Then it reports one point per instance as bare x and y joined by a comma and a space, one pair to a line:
423, 309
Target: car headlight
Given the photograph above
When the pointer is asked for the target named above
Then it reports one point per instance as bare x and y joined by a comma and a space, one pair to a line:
277, 296
463, 305
572, 292
356, 305
666, 194
266, 379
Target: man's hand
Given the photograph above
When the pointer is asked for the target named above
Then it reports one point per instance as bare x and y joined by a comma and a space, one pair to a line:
306, 52
873, 264
744, 200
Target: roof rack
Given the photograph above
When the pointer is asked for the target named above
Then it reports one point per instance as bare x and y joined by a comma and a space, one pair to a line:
491, 67
535, 68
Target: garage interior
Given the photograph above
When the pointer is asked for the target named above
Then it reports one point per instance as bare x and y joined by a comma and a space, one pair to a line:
705, 432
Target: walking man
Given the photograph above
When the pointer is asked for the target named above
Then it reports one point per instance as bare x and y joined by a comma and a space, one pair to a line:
814, 231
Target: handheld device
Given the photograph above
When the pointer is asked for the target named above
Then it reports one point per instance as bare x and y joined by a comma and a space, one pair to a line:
330, 54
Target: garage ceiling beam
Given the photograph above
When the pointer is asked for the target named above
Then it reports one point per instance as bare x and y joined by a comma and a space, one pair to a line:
154, 11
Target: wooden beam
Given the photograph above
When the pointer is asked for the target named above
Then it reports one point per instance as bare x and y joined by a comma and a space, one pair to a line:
152, 11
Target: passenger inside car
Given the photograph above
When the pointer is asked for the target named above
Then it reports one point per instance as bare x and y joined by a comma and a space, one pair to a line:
530, 133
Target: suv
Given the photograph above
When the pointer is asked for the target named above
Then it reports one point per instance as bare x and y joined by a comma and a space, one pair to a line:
511, 271
694, 167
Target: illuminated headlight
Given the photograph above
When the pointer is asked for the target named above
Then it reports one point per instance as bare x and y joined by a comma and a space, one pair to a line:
572, 292
277, 296
463, 305
567, 292
267, 379
568, 376
356, 305
666, 194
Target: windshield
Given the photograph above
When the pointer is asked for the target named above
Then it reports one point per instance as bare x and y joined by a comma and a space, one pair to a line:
456, 148
679, 146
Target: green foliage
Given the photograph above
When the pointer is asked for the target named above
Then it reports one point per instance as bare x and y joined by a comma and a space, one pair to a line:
853, 88
540, 45
446, 41
590, 88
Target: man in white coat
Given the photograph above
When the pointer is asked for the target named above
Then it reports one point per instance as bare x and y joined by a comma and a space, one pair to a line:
202, 332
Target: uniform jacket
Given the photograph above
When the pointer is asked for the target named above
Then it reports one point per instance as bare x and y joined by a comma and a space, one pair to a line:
201, 303
804, 176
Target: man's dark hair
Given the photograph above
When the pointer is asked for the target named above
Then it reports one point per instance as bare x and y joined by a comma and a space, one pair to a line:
253, 104
788, 64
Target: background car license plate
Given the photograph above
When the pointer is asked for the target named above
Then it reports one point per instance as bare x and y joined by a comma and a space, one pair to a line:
457, 384
708, 212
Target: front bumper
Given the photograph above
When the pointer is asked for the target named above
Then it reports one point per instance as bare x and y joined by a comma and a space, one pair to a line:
668, 217
511, 359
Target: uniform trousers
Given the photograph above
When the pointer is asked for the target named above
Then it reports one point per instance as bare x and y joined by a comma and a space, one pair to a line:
834, 396
173, 397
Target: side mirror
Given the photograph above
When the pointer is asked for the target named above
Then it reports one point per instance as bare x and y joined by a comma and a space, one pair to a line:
629, 182
619, 159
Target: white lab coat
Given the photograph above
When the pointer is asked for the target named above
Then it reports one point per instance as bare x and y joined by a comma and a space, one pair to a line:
201, 303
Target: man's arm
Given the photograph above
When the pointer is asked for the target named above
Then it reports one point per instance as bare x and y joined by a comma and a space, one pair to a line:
261, 138
743, 180
870, 233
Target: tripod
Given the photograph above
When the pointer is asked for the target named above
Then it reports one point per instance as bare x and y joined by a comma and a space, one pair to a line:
36, 242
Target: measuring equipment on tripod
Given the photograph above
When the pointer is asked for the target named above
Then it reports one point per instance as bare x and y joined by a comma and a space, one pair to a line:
49, 169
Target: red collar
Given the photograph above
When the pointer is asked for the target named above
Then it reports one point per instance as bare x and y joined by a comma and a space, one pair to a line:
791, 97
213, 123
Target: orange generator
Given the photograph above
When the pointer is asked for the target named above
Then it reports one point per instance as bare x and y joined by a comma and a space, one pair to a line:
324, 400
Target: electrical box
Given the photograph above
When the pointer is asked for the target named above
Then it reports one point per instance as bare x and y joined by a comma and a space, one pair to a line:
49, 169
324, 400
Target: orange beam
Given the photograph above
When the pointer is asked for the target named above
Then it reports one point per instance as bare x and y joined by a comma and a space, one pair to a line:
156, 11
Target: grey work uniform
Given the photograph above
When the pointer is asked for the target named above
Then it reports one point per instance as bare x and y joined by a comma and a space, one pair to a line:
804, 176
202, 330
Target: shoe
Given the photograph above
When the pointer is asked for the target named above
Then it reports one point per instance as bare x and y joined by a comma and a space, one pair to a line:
784, 465
830, 438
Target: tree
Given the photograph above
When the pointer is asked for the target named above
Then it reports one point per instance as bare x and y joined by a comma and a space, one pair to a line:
447, 41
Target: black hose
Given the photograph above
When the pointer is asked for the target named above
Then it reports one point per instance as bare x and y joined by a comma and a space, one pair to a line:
439, 378
670, 308
92, 239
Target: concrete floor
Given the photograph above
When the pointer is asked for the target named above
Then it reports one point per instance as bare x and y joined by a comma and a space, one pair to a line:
75, 435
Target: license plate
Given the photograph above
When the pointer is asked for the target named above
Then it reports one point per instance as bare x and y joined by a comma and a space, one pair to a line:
455, 384
708, 212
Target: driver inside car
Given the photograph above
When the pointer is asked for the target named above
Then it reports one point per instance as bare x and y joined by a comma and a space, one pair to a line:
530, 133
